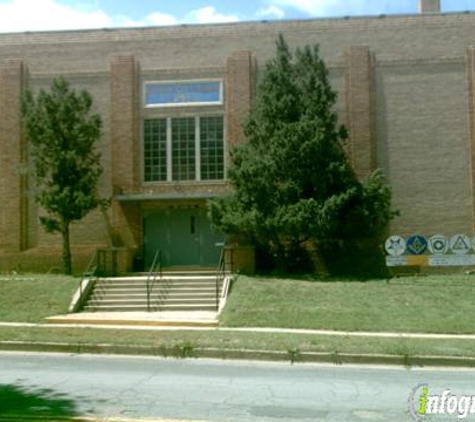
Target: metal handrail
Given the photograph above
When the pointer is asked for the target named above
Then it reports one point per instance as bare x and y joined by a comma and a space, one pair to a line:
90, 270
220, 275
152, 275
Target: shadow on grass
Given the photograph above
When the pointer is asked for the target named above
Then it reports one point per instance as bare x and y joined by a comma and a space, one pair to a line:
23, 404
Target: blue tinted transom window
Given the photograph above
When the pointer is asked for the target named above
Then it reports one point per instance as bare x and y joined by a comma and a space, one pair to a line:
163, 94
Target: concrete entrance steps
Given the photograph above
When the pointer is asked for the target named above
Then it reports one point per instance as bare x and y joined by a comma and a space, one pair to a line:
173, 292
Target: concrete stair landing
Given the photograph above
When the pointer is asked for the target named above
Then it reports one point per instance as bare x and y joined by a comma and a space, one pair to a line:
160, 320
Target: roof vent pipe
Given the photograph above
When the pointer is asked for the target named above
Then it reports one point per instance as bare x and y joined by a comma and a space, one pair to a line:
429, 6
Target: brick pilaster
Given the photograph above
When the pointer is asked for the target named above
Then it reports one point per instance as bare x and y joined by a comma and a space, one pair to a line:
124, 123
470, 71
125, 143
360, 111
240, 88
13, 181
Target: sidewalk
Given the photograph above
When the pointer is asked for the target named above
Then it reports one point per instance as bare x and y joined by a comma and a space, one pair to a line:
207, 322
195, 319
199, 321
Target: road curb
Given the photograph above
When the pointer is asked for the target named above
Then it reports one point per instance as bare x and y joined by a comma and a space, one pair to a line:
188, 351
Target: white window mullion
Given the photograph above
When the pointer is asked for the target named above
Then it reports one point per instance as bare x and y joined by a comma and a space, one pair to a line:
197, 149
169, 149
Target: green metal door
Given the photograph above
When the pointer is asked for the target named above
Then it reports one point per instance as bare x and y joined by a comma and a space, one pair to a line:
184, 237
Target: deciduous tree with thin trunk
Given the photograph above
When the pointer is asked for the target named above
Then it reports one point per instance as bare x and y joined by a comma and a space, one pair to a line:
62, 130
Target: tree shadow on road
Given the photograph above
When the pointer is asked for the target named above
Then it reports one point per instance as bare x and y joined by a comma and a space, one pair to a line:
19, 403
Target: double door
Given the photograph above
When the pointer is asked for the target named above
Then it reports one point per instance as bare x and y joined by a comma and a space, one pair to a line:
184, 237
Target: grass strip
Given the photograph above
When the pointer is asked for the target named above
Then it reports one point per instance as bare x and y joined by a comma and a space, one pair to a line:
432, 304
33, 297
281, 342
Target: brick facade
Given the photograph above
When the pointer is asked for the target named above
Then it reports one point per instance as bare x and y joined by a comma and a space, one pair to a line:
124, 108
471, 122
240, 87
360, 107
406, 92
123, 123
13, 181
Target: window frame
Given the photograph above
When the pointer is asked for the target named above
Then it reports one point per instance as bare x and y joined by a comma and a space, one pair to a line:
200, 147
220, 102
169, 160
152, 148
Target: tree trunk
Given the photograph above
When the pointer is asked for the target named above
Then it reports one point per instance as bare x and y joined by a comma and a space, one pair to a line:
67, 264
317, 257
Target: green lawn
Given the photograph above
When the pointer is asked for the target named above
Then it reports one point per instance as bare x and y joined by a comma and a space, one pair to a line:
440, 304
434, 304
32, 297
176, 342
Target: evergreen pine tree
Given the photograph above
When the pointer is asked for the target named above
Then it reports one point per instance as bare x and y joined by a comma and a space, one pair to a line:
292, 180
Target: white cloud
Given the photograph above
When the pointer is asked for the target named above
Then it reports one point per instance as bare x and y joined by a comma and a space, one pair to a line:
39, 15
34, 15
341, 7
208, 14
160, 19
272, 11
312, 7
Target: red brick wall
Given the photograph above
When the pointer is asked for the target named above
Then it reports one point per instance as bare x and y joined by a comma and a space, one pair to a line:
470, 69
124, 108
413, 74
240, 88
13, 181
123, 123
359, 111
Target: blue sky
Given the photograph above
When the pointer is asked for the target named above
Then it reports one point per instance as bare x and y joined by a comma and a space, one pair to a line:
33, 15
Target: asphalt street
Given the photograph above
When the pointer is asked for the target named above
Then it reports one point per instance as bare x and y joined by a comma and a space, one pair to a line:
214, 390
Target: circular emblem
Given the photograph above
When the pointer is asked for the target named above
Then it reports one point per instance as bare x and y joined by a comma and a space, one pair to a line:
438, 244
416, 244
395, 245
417, 402
460, 244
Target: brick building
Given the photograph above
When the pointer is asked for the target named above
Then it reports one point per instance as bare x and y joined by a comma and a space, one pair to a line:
173, 100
